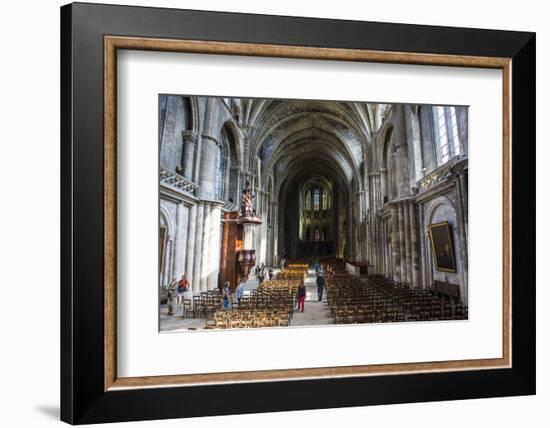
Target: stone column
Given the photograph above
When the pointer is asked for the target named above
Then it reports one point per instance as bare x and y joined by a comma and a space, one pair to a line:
423, 249
395, 243
189, 141
170, 258
429, 258
197, 263
402, 259
205, 253
407, 232
215, 247
207, 173
383, 183
275, 226
464, 199
235, 183
351, 231
167, 258
261, 243
462, 242
191, 245
414, 244
378, 190
180, 242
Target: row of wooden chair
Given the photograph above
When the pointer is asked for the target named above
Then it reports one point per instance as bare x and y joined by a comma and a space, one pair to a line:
292, 274
203, 305
243, 318
381, 300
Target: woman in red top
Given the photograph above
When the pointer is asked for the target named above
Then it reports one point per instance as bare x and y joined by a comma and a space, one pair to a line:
301, 295
183, 286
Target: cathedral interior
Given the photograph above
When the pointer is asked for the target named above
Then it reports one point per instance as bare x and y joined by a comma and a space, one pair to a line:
352, 185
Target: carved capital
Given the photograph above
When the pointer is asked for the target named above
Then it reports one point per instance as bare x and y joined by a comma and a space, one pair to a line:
189, 137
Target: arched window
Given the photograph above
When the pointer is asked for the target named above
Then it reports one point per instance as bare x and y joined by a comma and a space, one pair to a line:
391, 170
316, 198
324, 198
446, 133
308, 200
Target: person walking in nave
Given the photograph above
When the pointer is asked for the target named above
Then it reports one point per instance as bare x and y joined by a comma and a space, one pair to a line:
301, 296
239, 292
261, 274
172, 295
320, 284
183, 286
227, 296
317, 266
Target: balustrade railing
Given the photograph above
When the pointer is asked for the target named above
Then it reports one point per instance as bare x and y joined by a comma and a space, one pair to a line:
174, 180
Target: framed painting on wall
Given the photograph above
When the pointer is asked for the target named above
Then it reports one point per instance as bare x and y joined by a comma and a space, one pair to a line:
442, 247
239, 186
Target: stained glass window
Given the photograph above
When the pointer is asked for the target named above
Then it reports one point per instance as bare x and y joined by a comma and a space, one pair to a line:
316, 198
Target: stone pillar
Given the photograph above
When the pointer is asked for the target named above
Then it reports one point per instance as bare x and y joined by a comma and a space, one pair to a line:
167, 259
462, 243
358, 215
378, 191
170, 258
197, 263
423, 249
395, 243
180, 242
351, 231
275, 226
207, 174
205, 253
388, 254
407, 232
383, 183
429, 258
414, 245
402, 259
191, 245
235, 183
464, 199
189, 141
261, 245
215, 247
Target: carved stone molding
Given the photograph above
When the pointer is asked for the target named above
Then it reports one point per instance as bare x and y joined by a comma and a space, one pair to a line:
435, 177
177, 182
441, 174
209, 137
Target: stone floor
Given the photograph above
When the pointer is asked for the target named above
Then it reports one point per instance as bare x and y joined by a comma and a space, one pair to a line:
315, 313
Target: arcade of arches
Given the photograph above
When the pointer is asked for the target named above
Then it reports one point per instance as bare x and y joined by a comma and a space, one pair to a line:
351, 181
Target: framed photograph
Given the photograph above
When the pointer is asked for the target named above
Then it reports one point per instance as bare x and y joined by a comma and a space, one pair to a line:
310, 213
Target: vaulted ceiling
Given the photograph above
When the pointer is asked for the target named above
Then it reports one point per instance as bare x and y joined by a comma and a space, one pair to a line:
295, 139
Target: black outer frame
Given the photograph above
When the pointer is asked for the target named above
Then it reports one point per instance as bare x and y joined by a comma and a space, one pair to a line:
83, 399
